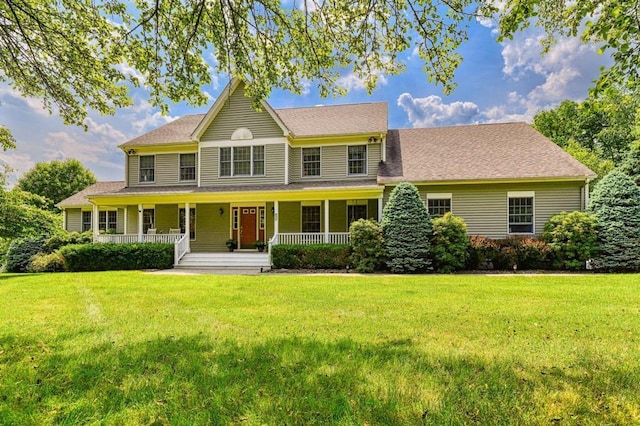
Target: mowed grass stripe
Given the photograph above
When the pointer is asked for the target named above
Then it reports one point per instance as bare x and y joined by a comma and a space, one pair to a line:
133, 348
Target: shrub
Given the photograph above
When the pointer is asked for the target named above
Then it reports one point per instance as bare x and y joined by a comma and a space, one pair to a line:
314, 256
20, 252
573, 239
110, 257
482, 251
406, 229
367, 245
64, 238
449, 243
615, 203
42, 262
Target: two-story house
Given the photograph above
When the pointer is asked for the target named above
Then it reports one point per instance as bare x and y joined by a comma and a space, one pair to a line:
302, 175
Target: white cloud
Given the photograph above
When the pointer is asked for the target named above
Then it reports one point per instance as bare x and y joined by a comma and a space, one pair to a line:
352, 82
19, 163
431, 111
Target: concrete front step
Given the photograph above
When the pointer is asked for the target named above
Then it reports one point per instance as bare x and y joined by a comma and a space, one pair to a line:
234, 260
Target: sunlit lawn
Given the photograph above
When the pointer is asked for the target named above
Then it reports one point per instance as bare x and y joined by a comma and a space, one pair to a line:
137, 348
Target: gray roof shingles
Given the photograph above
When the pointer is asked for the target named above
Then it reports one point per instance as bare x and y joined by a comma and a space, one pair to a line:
475, 152
80, 198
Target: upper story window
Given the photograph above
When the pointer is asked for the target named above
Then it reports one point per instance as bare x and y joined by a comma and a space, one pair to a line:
310, 162
147, 168
438, 204
357, 162
521, 212
187, 167
242, 161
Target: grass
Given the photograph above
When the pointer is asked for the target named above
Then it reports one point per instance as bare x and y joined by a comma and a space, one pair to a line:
135, 348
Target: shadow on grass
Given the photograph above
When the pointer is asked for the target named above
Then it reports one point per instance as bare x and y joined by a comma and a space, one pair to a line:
195, 380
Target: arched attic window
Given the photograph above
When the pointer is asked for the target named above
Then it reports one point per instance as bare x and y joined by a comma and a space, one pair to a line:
241, 133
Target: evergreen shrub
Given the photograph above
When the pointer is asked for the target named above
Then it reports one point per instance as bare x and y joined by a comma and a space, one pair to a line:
573, 239
367, 245
615, 203
449, 244
20, 252
42, 262
406, 229
313, 256
113, 257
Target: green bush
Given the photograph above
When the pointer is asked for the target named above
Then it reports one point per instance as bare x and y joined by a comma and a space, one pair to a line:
573, 239
615, 203
367, 245
503, 254
111, 257
4, 246
406, 229
314, 256
449, 243
42, 262
64, 238
20, 252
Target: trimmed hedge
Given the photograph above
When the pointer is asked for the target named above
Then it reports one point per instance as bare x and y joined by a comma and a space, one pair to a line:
42, 262
503, 254
315, 256
112, 257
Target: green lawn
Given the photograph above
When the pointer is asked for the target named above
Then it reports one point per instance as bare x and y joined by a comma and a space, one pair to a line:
136, 348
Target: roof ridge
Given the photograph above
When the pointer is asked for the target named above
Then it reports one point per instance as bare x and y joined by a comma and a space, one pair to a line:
457, 126
330, 106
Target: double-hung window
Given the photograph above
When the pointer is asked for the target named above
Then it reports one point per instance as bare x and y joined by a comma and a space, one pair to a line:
86, 221
310, 162
357, 160
438, 204
521, 216
311, 218
242, 161
107, 220
192, 222
356, 209
148, 219
147, 168
187, 167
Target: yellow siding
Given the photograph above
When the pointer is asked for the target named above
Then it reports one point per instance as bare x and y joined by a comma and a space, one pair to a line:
74, 220
120, 221
212, 229
337, 216
274, 168
236, 113
333, 163
289, 217
167, 217
132, 219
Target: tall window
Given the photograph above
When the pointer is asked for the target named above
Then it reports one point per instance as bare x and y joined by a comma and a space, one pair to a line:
261, 220
357, 159
438, 204
242, 161
192, 222
187, 167
147, 168
520, 214
310, 218
310, 161
356, 210
107, 220
148, 219
86, 221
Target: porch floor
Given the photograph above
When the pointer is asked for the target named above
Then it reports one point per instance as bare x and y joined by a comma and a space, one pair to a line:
236, 260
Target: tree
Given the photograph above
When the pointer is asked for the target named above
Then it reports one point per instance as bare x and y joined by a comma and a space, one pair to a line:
6, 139
406, 229
590, 159
616, 205
631, 164
56, 180
25, 215
76, 55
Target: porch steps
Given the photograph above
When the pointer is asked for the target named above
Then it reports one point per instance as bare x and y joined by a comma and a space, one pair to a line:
226, 261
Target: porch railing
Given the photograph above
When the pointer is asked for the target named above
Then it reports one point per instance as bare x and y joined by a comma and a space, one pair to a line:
180, 247
310, 238
135, 238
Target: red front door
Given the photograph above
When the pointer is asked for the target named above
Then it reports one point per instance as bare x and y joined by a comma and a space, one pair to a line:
248, 233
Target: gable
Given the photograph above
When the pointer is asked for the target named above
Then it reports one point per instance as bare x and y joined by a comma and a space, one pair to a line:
235, 113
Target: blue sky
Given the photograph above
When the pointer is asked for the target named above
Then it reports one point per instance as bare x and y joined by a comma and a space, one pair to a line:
497, 82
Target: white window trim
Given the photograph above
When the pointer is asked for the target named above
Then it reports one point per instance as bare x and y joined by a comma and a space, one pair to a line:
523, 194
440, 196
140, 169
302, 176
233, 175
180, 166
366, 160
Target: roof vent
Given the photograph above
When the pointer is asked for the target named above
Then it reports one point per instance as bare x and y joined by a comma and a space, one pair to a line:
241, 133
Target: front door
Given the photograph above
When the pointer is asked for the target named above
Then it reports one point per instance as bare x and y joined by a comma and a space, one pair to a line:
248, 228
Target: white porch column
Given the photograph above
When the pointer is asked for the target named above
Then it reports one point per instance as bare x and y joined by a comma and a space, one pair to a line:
94, 222
380, 209
275, 219
187, 225
326, 221
140, 216
126, 217
64, 219
586, 194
